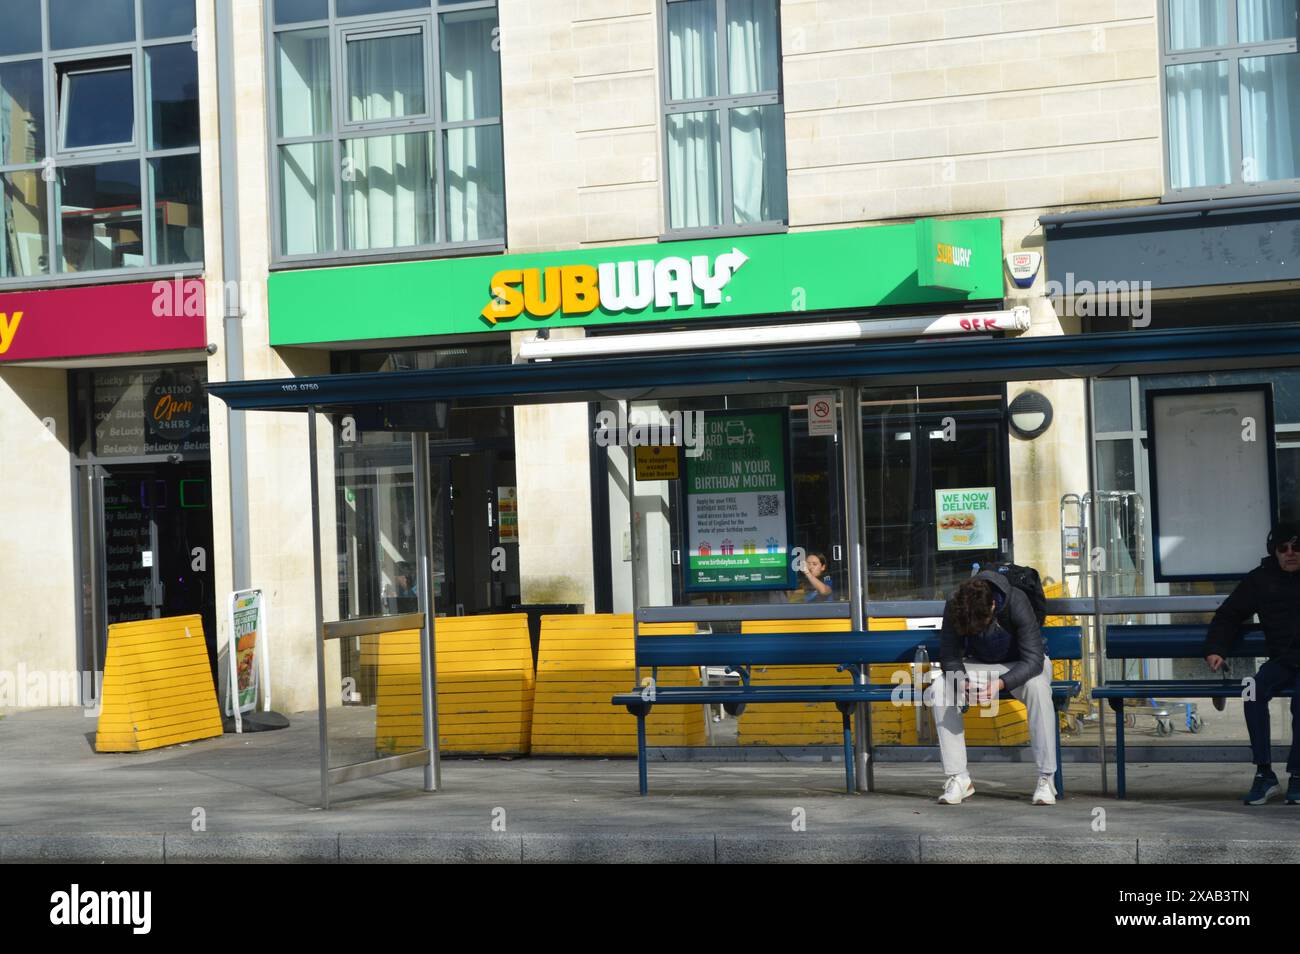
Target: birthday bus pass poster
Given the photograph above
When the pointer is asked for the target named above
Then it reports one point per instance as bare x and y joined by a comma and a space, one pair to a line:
737, 504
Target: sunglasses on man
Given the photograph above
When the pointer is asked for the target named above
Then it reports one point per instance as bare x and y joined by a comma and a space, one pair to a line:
1289, 547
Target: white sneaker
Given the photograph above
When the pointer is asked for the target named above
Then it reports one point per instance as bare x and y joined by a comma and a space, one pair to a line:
1045, 792
956, 789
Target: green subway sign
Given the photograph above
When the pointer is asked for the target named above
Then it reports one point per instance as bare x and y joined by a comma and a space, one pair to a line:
947, 254
793, 273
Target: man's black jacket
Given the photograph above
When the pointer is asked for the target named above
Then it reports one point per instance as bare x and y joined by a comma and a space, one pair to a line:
1272, 593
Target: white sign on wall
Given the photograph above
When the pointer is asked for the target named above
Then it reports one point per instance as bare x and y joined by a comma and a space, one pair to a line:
821, 415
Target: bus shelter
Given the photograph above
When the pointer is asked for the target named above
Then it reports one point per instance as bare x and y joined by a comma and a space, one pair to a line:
853, 375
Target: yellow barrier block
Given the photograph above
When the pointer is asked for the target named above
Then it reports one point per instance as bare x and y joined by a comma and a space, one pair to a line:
819, 723
1062, 669
158, 687
485, 686
584, 660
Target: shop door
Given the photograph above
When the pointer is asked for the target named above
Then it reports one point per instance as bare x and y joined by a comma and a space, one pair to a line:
476, 543
914, 450
156, 551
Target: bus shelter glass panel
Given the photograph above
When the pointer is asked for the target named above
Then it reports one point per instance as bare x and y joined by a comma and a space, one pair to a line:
936, 487
474, 542
734, 505
1124, 533
738, 505
376, 536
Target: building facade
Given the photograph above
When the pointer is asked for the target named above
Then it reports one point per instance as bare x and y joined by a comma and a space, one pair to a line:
418, 184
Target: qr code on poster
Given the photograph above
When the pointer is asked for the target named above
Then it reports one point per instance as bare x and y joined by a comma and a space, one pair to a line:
769, 505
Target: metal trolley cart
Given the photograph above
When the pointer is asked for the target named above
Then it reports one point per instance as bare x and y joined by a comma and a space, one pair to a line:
1119, 549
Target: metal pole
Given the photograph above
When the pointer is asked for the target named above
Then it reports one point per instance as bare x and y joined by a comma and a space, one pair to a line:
634, 538
319, 604
1094, 580
865, 777
233, 307
428, 656
99, 563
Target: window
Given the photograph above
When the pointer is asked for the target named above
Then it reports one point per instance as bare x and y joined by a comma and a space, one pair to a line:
724, 123
1231, 78
387, 127
96, 104
98, 125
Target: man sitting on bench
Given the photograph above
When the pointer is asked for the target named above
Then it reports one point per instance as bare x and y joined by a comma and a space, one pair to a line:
1272, 590
989, 626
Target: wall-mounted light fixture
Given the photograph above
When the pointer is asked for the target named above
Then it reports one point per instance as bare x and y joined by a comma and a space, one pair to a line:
1029, 415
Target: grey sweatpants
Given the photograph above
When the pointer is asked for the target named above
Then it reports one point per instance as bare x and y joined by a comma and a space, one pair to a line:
1036, 694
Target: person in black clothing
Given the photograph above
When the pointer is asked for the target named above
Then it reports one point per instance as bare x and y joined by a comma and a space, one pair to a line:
1272, 590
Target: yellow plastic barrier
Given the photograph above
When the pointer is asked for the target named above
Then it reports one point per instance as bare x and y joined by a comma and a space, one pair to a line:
581, 663
819, 723
158, 687
485, 686
1063, 669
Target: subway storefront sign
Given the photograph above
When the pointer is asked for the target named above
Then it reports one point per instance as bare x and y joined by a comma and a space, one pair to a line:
821, 271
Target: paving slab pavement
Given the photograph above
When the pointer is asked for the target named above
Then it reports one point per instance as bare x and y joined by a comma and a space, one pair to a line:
259, 795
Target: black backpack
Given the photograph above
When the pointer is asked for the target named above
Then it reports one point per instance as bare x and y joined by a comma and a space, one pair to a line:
1027, 581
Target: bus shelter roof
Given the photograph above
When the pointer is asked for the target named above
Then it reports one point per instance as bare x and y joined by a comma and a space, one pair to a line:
647, 377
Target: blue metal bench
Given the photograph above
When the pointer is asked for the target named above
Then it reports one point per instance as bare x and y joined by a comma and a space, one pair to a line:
1167, 641
850, 652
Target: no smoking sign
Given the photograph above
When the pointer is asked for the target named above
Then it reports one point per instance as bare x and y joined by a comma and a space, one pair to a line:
821, 415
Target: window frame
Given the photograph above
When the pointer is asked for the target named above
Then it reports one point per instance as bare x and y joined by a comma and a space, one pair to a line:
722, 104
1232, 52
63, 93
362, 126
56, 159
338, 29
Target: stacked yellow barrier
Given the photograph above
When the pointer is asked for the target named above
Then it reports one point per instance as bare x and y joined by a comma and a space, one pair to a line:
485, 686
158, 687
585, 660
890, 724
819, 723
399, 710
1063, 669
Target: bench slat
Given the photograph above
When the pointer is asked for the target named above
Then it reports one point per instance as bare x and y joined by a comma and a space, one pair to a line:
690, 695
1174, 641
811, 649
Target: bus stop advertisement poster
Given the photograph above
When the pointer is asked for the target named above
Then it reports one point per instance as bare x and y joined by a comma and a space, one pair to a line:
738, 504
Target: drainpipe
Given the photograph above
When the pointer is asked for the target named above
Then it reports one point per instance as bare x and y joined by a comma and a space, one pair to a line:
232, 306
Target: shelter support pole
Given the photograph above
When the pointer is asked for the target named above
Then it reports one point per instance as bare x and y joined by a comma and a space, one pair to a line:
424, 591
634, 541
319, 608
865, 776
1094, 580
